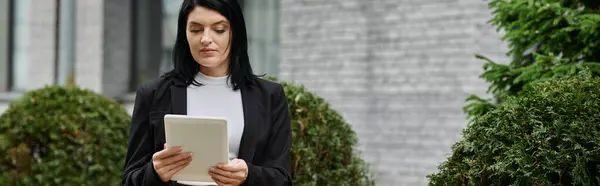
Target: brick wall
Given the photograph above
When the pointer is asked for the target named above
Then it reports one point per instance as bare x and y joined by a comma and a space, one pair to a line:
89, 44
41, 48
398, 70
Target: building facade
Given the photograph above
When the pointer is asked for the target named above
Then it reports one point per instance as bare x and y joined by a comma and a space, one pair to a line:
397, 70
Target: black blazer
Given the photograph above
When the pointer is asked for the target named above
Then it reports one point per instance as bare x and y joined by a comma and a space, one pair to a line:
265, 143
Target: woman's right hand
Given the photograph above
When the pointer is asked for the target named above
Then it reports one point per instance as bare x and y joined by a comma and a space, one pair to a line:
169, 161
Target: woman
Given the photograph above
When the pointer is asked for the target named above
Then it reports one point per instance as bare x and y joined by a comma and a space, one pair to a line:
211, 67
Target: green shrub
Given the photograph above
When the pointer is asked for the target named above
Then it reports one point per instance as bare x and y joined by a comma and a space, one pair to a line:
69, 136
323, 149
550, 135
63, 136
546, 39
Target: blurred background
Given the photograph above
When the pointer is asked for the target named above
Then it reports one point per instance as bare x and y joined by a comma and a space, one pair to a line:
397, 70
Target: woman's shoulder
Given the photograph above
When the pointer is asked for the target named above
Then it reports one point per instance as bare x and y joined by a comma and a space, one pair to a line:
152, 84
159, 84
269, 86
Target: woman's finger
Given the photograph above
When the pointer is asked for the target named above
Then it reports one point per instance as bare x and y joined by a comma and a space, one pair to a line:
235, 175
176, 169
166, 153
177, 164
219, 183
222, 178
228, 174
177, 157
240, 175
161, 163
231, 167
220, 172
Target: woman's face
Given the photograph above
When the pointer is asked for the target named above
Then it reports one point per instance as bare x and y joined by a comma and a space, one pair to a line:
209, 36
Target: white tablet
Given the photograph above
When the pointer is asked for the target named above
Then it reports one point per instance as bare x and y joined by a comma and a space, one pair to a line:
205, 137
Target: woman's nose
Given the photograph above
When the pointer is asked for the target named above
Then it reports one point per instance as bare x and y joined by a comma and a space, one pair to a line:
205, 39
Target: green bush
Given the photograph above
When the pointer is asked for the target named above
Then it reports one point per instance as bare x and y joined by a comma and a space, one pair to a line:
323, 149
546, 38
69, 136
63, 136
550, 135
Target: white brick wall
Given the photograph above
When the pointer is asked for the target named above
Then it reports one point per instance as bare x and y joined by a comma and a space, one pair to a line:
89, 44
41, 44
398, 70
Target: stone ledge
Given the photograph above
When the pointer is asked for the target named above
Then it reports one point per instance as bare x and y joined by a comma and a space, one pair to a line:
9, 96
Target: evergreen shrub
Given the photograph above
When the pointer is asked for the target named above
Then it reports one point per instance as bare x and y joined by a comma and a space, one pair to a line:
324, 144
63, 136
550, 135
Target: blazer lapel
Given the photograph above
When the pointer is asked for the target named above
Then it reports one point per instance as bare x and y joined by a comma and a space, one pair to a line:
178, 100
251, 120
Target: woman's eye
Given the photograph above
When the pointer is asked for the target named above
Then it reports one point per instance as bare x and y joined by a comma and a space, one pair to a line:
195, 30
220, 31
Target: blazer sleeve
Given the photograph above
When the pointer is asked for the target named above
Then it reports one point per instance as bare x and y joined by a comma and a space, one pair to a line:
276, 170
138, 163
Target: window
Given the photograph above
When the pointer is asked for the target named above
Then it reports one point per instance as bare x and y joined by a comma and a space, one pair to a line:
262, 24
66, 42
5, 17
169, 20
147, 41
19, 45
153, 40
30, 53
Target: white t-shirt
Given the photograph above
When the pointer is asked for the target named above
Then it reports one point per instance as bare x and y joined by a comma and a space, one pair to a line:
216, 98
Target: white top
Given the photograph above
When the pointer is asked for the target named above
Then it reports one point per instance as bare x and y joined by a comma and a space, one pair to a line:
216, 98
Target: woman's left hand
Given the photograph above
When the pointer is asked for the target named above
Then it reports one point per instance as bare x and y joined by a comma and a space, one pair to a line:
232, 174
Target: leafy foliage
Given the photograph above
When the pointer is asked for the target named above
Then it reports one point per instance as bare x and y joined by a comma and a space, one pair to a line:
323, 149
547, 136
547, 38
63, 136
540, 126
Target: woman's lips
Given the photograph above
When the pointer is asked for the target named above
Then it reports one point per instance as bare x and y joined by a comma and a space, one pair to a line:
208, 52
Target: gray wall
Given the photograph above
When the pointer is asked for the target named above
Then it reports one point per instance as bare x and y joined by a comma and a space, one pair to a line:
398, 70
117, 48
4, 43
41, 46
89, 44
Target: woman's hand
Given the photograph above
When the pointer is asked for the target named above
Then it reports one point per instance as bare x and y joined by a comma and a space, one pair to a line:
232, 174
169, 161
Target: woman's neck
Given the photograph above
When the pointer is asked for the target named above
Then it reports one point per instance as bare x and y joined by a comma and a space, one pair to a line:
218, 71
